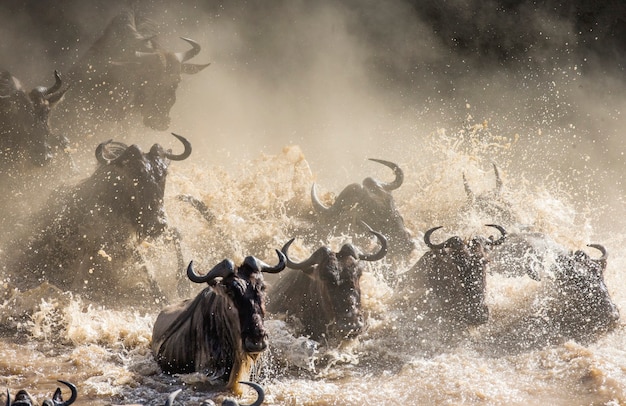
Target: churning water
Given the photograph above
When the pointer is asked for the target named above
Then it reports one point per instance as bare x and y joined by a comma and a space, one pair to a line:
304, 99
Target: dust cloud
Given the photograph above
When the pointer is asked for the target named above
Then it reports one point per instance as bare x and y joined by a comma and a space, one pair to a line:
347, 80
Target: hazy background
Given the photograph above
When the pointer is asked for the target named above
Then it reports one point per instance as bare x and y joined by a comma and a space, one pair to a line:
347, 80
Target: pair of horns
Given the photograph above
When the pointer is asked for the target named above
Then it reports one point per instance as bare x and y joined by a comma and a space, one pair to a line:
110, 150
491, 242
57, 399
395, 184
323, 252
227, 267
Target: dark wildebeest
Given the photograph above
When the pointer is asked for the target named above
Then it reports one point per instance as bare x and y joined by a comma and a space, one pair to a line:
324, 292
23, 398
25, 136
450, 279
220, 332
227, 401
574, 304
490, 204
526, 252
581, 307
85, 235
371, 203
126, 71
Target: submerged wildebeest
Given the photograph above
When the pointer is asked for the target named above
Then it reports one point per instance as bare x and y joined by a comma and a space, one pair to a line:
23, 398
323, 292
448, 283
87, 234
220, 332
371, 203
526, 252
25, 136
228, 401
574, 304
126, 71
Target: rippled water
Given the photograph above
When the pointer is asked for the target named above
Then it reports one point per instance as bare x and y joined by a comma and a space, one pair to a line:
257, 206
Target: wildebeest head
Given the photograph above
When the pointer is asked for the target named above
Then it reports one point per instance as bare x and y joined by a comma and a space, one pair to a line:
337, 278
160, 75
490, 203
132, 182
373, 204
455, 271
244, 288
584, 307
24, 117
23, 398
134, 70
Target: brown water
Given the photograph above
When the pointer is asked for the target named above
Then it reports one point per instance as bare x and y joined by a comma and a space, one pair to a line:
106, 352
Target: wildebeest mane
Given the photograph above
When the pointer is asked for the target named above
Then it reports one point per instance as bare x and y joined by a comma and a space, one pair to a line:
222, 343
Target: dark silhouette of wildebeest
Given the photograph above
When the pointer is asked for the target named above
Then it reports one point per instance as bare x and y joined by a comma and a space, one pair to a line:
126, 71
25, 135
23, 398
448, 283
87, 234
370, 202
220, 332
573, 304
323, 292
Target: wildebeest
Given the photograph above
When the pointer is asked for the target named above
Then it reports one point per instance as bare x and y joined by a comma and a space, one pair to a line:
323, 292
227, 401
88, 233
581, 306
574, 304
126, 71
450, 279
490, 204
23, 398
372, 203
25, 136
220, 332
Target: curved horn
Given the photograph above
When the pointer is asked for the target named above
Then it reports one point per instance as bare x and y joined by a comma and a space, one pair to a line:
8, 398
605, 254
114, 148
259, 266
468, 191
259, 390
223, 269
185, 153
57, 84
72, 398
263, 267
502, 237
396, 170
383, 246
427, 239
187, 55
498, 179
317, 205
171, 397
306, 264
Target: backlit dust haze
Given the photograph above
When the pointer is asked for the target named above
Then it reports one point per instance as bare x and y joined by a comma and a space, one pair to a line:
348, 80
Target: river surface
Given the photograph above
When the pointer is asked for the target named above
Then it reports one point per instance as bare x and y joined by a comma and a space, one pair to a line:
50, 335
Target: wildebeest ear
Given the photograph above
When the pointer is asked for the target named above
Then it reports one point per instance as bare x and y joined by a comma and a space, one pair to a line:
192, 68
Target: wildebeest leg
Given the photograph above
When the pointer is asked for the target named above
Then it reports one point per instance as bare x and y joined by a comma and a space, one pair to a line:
198, 205
172, 234
154, 288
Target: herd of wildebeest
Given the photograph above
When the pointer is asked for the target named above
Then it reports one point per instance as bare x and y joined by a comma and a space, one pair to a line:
82, 233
